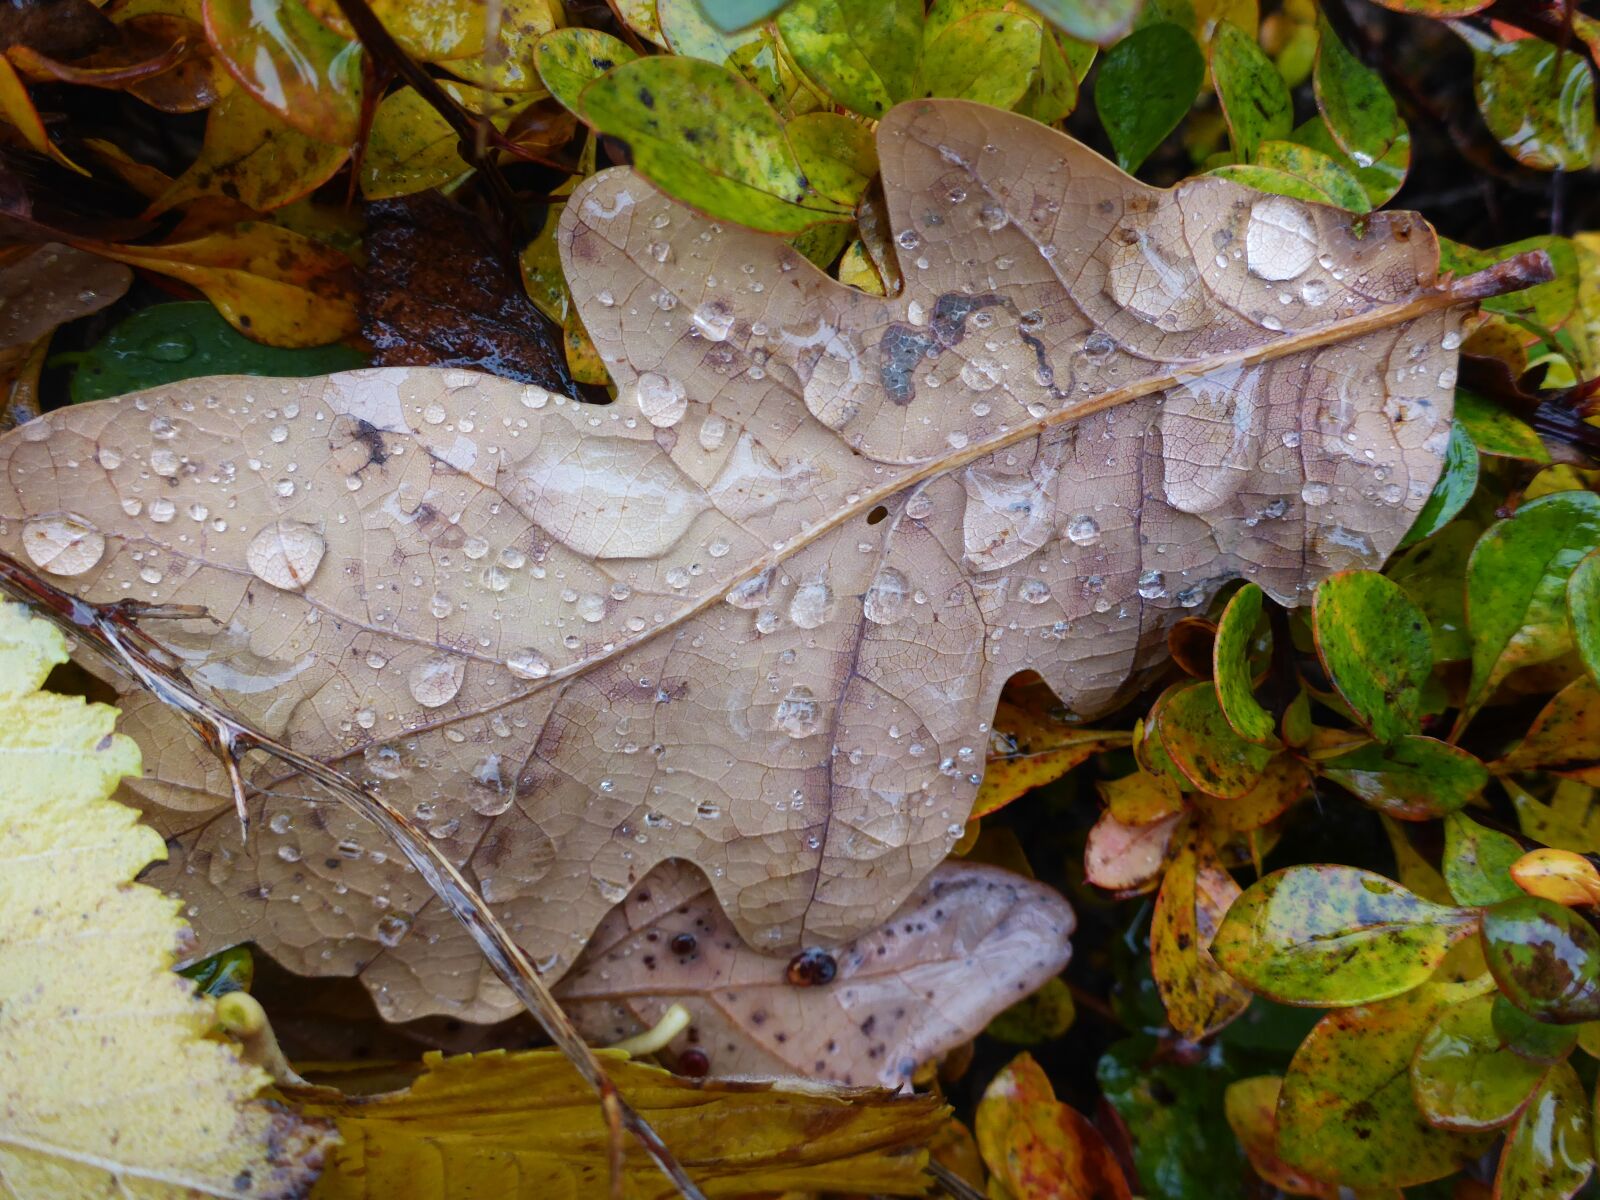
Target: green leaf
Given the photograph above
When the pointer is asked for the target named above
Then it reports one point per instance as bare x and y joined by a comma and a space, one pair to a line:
1516, 587
1549, 1154
1326, 935
1099, 21
1203, 746
1477, 861
1530, 1038
410, 148
168, 342
1583, 611
1041, 1017
1495, 431
1183, 1148
1433, 574
569, 60
865, 54
1457, 482
751, 53
706, 137
1147, 82
1230, 665
1537, 99
1545, 959
1274, 180
836, 153
988, 56
1323, 171
1199, 997
1346, 1113
1361, 115
291, 63
1254, 98
1375, 646
1053, 94
736, 14
1463, 1077
1414, 778
1381, 179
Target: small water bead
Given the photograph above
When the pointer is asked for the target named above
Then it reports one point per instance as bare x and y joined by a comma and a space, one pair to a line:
1191, 597
392, 928
1290, 438
164, 462
1314, 291
713, 430
1083, 530
436, 679
920, 506
718, 547
1450, 341
63, 544
661, 401
714, 321
280, 823
981, 374
1152, 585
592, 607
767, 620
1033, 591
992, 217
366, 718
751, 593
1097, 347
279, 433
1314, 493
285, 555
151, 574
885, 600
162, 510
812, 604
908, 239
797, 714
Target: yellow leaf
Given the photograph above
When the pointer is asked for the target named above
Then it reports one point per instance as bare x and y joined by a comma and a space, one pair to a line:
523, 1124
1038, 1148
1030, 747
111, 1086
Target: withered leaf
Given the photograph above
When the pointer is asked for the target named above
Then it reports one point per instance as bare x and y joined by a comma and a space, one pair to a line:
756, 613
439, 292
970, 941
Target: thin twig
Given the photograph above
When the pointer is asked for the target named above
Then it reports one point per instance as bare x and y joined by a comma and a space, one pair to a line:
952, 1184
113, 631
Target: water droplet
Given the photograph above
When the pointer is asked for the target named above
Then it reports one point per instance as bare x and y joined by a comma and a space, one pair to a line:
1314, 291
435, 680
812, 604
164, 462
1191, 597
1083, 530
1152, 585
63, 543
713, 320
528, 664
662, 401
392, 928
1033, 591
286, 555
592, 607
1314, 493
1280, 241
752, 593
712, 432
992, 217
885, 600
797, 713
1097, 347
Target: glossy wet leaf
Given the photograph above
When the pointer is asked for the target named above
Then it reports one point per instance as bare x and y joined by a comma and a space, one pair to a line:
1453, 490
706, 137
1433, 573
410, 148
1583, 610
1381, 178
1414, 778
836, 154
1570, 821
1346, 1113
147, 1103
1196, 892
978, 937
1564, 736
1516, 587
864, 54
291, 63
988, 56
1477, 861
1549, 1152
1284, 780
1536, 98
1360, 114
1099, 21
1146, 83
1202, 744
1463, 1077
568, 60
1251, 1106
1140, 798
1030, 745
1334, 936
1254, 98
186, 340
1495, 431
1531, 1038
1182, 1146
1375, 646
17, 107
46, 286
1545, 958
1323, 171
1035, 1146
1054, 92
1231, 666
273, 285
485, 1123
251, 155
729, 452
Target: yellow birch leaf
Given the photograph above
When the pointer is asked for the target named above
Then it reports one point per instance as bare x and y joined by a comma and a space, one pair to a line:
523, 1124
111, 1086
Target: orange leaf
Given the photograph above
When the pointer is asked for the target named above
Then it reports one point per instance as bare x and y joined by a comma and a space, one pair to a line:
1038, 1148
1030, 747
1127, 858
1251, 1106
17, 108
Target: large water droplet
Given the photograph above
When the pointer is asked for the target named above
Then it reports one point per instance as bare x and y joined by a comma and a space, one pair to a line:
662, 401
63, 543
797, 713
1083, 530
1280, 241
885, 599
713, 320
812, 604
286, 555
436, 680
1152, 585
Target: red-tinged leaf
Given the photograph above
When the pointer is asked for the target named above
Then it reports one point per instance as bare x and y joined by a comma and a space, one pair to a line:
1202, 744
271, 284
17, 107
249, 155
40, 68
1333, 936
1549, 1153
1196, 891
1564, 737
1346, 1113
1125, 858
291, 63
1037, 1148
1251, 1106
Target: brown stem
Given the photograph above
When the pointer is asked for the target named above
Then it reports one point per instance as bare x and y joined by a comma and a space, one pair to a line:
952, 1184
112, 630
